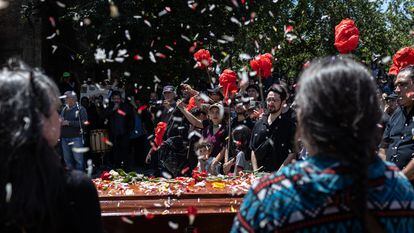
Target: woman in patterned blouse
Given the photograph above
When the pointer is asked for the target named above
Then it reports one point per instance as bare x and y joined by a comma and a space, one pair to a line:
343, 186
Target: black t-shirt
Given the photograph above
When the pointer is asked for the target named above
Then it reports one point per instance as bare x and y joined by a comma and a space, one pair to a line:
272, 143
398, 138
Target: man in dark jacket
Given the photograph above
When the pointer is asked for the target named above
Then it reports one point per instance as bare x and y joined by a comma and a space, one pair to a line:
73, 117
121, 124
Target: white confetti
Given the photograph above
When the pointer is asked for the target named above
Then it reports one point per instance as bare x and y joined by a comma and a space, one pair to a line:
60, 4
89, 167
8, 192
152, 57
185, 38
51, 36
80, 149
127, 35
54, 48
244, 56
234, 20
166, 175
147, 23
173, 225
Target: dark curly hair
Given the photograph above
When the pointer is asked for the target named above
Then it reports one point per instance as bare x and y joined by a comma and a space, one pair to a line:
28, 164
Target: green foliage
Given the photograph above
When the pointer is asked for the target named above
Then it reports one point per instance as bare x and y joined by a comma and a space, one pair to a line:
227, 31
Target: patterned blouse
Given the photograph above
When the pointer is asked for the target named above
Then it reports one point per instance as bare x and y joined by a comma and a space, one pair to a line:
313, 196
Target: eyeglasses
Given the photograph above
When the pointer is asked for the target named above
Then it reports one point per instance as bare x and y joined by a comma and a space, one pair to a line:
273, 99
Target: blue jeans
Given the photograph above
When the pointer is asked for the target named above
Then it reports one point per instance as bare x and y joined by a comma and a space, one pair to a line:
72, 159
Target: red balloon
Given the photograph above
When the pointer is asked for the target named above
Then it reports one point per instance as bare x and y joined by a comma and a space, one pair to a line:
403, 58
203, 58
159, 132
262, 64
346, 36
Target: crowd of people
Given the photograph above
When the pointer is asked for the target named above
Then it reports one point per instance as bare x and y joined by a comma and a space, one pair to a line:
334, 144
185, 129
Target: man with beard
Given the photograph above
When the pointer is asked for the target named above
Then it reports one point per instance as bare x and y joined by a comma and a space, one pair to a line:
398, 144
272, 140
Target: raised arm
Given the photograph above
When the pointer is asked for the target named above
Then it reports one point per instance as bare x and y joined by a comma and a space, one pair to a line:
190, 117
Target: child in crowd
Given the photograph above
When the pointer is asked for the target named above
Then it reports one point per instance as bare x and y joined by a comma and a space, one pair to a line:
203, 151
241, 137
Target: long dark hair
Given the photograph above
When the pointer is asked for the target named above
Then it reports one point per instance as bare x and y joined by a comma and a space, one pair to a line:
242, 134
338, 113
28, 165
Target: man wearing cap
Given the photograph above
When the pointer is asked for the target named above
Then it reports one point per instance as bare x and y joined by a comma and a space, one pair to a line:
272, 140
398, 140
73, 117
168, 104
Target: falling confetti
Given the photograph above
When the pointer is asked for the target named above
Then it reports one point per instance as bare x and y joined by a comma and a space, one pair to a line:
8, 192
173, 225
80, 150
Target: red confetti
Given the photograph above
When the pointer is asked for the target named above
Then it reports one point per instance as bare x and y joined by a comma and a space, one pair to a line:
191, 210
288, 28
120, 112
52, 21
105, 175
149, 216
185, 170
159, 132
137, 57
142, 108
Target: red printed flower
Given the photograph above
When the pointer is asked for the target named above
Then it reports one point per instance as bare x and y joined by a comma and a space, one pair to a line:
105, 175
262, 64
228, 81
402, 59
159, 132
192, 212
203, 58
346, 36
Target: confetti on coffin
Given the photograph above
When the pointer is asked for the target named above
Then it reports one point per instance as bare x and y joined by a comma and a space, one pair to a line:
80, 149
